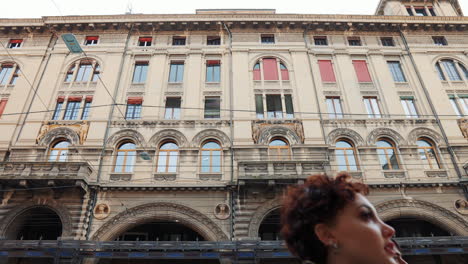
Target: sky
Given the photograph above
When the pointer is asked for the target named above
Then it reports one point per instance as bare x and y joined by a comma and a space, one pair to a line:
38, 8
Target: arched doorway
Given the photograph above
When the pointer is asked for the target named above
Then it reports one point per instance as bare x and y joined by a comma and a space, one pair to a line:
270, 226
39, 223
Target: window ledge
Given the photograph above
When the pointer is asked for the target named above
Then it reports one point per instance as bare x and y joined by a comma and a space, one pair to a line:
394, 173
121, 176
210, 176
164, 176
436, 173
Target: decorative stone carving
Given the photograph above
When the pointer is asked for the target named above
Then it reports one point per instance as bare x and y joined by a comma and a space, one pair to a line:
210, 176
165, 176
423, 132
427, 211
345, 133
126, 134
101, 211
76, 132
218, 135
463, 123
222, 211
160, 211
461, 206
121, 176
260, 214
168, 134
264, 131
384, 132
436, 173
394, 174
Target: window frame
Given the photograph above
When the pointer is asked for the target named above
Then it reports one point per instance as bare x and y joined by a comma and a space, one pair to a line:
346, 155
140, 68
91, 40
387, 40
425, 149
332, 102
58, 156
134, 108
373, 113
354, 41
72, 110
15, 43
318, 39
397, 72
267, 39
213, 75
168, 152
451, 70
179, 67
179, 40
404, 100
74, 69
172, 114
278, 149
212, 113
10, 76
125, 152
439, 40
145, 41
388, 158
213, 40
280, 74
211, 168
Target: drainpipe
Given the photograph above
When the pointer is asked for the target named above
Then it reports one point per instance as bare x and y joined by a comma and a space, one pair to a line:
231, 127
306, 42
106, 136
434, 111
52, 42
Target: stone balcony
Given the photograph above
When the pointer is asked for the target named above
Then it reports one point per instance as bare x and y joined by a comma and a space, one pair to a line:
28, 174
279, 170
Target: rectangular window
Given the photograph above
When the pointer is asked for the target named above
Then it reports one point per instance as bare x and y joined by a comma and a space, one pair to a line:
213, 40
268, 39
326, 71
372, 107
86, 108
140, 73
5, 73
270, 70
72, 109
58, 108
408, 105
176, 73
362, 72
320, 41
91, 40
213, 71
259, 109
133, 108
354, 41
178, 41
387, 41
289, 106
3, 103
334, 107
213, 107
274, 106
459, 104
172, 108
15, 43
145, 41
84, 71
451, 70
440, 41
420, 11
397, 71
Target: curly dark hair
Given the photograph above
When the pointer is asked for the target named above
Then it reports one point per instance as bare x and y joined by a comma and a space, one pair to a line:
316, 201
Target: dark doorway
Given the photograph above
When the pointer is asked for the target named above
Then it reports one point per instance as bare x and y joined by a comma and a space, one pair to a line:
35, 224
161, 231
270, 226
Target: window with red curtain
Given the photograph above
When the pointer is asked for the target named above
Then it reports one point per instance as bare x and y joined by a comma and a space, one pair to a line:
3, 103
326, 71
15, 43
256, 72
135, 100
284, 72
75, 98
360, 66
91, 40
270, 69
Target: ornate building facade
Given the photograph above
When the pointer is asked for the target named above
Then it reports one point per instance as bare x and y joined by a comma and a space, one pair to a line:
188, 128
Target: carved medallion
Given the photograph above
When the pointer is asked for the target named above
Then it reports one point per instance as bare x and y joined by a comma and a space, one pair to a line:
101, 211
222, 211
461, 206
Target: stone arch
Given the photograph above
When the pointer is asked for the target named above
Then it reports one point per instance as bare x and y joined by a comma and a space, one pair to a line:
74, 59
423, 132
423, 210
346, 133
61, 211
168, 134
452, 57
60, 132
386, 133
283, 59
262, 212
17, 61
160, 211
206, 134
279, 131
126, 134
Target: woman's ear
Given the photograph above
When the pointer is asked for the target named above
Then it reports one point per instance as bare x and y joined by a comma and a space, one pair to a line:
324, 234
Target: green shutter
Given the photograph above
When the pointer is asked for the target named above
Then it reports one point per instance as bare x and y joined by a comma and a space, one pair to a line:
407, 97
259, 104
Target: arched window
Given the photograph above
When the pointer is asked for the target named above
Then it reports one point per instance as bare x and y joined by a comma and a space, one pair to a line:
59, 151
125, 158
167, 157
269, 69
427, 153
451, 70
346, 156
211, 157
278, 149
85, 70
386, 151
8, 73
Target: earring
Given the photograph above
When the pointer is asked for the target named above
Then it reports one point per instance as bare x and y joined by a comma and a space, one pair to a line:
336, 248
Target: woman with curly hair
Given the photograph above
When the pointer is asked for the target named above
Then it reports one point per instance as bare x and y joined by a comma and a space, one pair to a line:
330, 221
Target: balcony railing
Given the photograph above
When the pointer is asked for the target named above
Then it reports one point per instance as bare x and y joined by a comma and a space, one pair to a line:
45, 171
279, 169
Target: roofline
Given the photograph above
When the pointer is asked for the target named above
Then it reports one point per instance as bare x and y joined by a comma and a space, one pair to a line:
456, 4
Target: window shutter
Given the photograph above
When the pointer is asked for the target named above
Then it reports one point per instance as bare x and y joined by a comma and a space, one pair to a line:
145, 39
256, 73
284, 73
326, 71
259, 104
75, 98
289, 105
92, 38
89, 98
3, 103
135, 100
270, 69
60, 99
360, 66
406, 97
16, 41
213, 62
